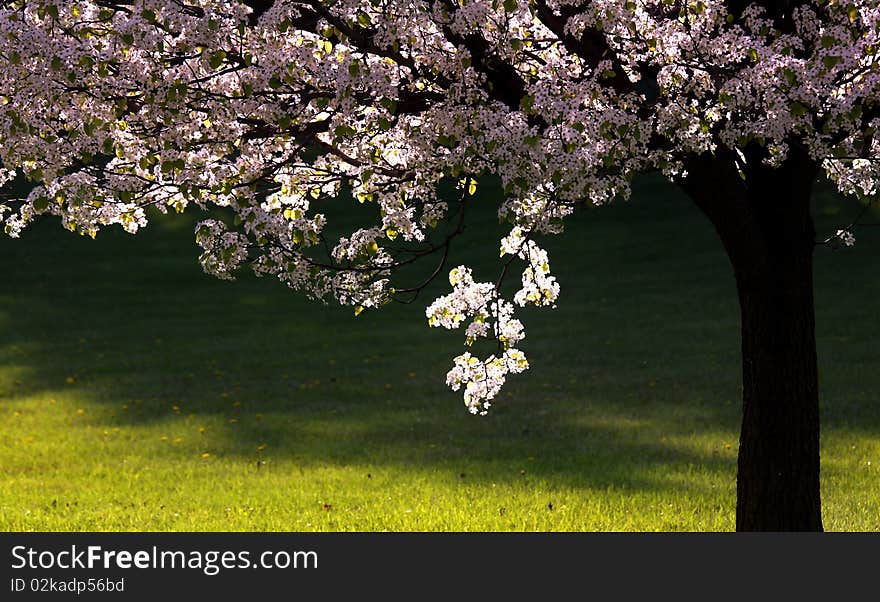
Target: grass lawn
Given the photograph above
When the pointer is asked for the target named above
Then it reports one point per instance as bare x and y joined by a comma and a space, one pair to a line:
137, 393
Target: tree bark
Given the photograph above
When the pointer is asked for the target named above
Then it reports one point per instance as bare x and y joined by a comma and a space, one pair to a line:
762, 216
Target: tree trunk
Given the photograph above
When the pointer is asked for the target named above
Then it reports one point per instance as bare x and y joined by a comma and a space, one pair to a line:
765, 225
778, 467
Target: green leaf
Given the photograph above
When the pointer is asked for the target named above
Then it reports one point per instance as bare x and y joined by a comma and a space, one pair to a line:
831, 61
447, 141
217, 59
41, 203
510, 5
390, 104
344, 131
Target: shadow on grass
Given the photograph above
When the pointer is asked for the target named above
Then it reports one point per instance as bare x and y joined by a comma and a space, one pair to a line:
637, 371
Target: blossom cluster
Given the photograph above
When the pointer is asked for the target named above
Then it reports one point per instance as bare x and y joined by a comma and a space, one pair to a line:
491, 317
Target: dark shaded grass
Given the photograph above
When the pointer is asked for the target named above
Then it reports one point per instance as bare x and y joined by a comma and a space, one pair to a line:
633, 392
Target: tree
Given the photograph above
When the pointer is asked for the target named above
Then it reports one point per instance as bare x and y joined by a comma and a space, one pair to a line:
270, 110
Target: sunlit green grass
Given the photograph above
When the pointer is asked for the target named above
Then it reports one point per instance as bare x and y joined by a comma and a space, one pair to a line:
136, 393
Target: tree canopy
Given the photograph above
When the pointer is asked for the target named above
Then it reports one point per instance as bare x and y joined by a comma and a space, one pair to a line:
273, 110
